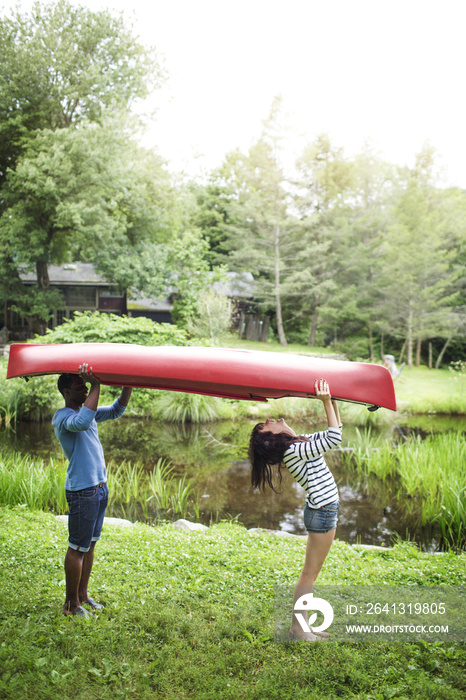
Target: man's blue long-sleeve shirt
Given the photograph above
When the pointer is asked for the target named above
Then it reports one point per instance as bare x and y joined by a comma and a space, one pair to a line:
77, 432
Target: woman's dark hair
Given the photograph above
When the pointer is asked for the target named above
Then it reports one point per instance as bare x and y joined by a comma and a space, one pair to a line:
266, 450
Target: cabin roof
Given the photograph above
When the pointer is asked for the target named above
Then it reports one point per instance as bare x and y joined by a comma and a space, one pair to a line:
79, 274
75, 274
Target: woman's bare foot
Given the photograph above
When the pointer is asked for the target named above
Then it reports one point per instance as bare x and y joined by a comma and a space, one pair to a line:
301, 636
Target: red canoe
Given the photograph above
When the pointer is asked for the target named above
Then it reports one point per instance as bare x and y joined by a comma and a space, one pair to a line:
238, 374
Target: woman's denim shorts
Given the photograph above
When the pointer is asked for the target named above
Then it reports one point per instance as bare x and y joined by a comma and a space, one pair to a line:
86, 516
321, 519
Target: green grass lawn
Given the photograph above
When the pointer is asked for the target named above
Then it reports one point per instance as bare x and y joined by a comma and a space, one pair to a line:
423, 390
274, 346
191, 615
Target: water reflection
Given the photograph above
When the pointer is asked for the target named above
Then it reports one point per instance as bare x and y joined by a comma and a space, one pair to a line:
215, 456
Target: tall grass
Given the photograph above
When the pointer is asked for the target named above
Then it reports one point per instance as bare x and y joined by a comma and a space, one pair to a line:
10, 408
156, 495
435, 471
40, 484
37, 483
431, 473
167, 492
180, 407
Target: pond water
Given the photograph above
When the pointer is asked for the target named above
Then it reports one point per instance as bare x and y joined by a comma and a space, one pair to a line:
215, 457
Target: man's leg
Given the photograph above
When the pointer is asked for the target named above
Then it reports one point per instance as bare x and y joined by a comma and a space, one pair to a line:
88, 561
85, 519
73, 574
102, 500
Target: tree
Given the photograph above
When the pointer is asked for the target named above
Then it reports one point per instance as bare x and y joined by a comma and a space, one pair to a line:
246, 214
62, 64
356, 305
82, 193
214, 216
190, 276
65, 190
324, 177
418, 274
213, 316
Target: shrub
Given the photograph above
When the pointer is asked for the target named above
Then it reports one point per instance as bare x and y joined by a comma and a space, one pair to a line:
96, 327
36, 399
355, 349
213, 317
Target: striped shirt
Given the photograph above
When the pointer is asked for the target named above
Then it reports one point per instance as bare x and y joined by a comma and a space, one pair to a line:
307, 465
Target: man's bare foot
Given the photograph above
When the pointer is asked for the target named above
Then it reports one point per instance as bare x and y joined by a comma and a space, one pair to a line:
67, 610
91, 602
79, 612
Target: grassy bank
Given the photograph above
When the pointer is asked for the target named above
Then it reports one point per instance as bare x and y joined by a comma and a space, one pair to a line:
428, 475
190, 615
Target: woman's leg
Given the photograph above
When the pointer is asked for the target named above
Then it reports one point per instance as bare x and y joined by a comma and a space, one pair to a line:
317, 547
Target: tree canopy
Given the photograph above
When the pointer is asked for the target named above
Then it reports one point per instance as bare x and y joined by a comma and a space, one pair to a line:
62, 64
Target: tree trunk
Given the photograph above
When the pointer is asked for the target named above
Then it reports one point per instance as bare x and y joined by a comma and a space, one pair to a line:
402, 352
409, 340
281, 332
418, 352
371, 345
442, 352
430, 355
315, 319
42, 271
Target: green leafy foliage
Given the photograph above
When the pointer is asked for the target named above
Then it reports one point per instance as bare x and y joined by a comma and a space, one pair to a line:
34, 400
212, 320
95, 327
189, 271
61, 64
85, 194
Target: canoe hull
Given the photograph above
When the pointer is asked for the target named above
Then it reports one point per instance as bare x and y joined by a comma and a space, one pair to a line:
238, 374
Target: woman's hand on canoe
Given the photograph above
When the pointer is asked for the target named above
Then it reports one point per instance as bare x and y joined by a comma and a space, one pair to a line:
322, 390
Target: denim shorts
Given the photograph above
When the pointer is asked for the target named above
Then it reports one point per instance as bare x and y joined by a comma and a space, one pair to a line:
86, 516
321, 519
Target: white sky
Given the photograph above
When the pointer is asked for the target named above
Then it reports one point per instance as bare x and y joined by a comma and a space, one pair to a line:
388, 71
